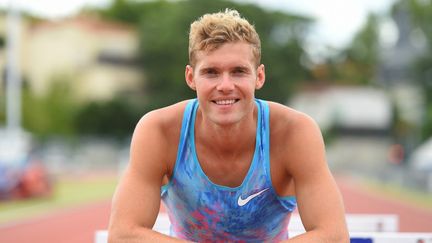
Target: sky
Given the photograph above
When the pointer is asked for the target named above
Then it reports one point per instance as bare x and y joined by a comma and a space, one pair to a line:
337, 20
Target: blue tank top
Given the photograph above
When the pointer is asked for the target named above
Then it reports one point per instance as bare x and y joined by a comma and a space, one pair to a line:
202, 211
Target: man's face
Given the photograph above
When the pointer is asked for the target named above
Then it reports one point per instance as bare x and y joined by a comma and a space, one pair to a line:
225, 80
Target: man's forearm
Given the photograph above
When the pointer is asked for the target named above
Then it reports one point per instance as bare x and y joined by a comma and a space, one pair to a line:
140, 235
319, 236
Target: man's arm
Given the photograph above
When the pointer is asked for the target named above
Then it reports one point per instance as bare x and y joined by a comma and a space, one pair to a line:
319, 201
137, 198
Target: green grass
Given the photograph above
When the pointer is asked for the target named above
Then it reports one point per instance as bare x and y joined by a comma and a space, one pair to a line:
66, 193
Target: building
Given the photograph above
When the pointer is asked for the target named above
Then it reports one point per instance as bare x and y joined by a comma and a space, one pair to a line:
360, 119
352, 110
98, 59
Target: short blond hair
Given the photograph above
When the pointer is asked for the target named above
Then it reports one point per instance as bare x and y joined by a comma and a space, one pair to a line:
211, 31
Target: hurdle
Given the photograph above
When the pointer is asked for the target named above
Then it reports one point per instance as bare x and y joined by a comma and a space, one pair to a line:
363, 228
358, 223
386, 237
101, 236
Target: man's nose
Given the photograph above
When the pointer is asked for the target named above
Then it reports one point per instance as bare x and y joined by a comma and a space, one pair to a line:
225, 83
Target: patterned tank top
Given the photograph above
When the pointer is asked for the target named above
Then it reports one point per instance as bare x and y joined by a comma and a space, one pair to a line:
202, 211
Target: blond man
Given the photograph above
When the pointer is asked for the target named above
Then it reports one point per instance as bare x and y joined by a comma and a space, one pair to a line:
228, 167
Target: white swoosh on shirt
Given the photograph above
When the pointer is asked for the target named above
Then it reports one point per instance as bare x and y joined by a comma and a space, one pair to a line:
241, 202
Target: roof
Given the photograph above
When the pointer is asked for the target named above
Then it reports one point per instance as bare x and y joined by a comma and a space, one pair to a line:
87, 23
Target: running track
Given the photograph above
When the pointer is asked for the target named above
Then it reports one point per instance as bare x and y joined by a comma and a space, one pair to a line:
79, 224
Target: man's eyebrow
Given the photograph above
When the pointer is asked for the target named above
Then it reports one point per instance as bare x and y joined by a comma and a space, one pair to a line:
206, 69
241, 68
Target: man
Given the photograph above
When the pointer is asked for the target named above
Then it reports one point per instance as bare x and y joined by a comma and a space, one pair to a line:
228, 167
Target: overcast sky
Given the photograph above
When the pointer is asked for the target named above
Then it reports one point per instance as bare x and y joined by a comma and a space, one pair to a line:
337, 20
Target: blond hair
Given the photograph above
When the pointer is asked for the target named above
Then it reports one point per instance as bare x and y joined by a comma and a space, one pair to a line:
211, 31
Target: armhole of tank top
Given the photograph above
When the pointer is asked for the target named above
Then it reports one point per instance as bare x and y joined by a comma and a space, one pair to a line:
182, 138
288, 202
266, 140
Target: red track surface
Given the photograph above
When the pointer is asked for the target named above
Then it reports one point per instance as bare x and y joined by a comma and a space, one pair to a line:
411, 218
80, 224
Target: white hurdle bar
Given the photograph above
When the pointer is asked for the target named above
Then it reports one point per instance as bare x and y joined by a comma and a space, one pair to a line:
101, 236
357, 223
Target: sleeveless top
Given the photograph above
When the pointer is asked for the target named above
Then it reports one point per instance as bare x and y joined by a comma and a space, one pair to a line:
202, 211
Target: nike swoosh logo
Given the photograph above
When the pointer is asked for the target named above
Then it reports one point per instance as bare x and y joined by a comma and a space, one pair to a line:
241, 202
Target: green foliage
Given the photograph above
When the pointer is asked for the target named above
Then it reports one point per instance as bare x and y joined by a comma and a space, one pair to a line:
164, 54
2, 107
356, 64
2, 41
423, 71
365, 44
427, 127
111, 118
123, 10
51, 114
57, 114
421, 15
163, 29
421, 18
423, 74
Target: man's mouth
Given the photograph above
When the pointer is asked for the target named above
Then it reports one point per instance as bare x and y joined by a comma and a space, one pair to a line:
225, 102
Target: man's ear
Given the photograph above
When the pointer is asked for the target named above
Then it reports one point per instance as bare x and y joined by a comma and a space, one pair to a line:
260, 78
189, 76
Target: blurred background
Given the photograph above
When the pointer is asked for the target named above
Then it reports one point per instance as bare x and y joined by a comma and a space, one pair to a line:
76, 77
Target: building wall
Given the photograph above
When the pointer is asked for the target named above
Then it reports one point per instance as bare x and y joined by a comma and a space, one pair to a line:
70, 51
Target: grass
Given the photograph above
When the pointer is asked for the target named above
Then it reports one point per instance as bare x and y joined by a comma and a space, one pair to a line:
67, 193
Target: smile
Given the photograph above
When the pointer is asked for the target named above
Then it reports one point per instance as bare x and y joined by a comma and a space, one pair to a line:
225, 102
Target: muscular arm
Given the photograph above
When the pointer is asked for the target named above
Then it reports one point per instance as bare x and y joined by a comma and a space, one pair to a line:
137, 198
319, 201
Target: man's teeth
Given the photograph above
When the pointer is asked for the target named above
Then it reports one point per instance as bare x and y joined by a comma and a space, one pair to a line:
225, 102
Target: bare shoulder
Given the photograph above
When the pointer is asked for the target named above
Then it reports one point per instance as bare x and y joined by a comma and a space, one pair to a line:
287, 121
166, 120
156, 136
293, 137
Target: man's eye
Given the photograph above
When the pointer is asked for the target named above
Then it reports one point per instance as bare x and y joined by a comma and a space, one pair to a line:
210, 72
239, 71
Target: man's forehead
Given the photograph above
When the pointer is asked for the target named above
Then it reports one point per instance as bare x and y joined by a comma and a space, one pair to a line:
204, 60
216, 64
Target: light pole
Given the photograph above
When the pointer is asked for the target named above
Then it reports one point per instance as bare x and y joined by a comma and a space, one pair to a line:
13, 78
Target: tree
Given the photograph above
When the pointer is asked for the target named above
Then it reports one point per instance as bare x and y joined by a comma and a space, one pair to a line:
421, 17
356, 64
163, 29
113, 118
51, 114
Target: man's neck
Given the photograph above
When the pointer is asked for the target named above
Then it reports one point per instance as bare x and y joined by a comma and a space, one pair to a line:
227, 139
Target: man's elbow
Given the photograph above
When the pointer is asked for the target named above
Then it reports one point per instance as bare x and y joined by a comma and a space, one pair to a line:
116, 235
119, 234
341, 236
332, 235
130, 234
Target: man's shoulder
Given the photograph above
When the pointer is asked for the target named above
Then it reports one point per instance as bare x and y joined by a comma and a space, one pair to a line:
280, 113
167, 114
293, 129
285, 120
166, 119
